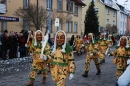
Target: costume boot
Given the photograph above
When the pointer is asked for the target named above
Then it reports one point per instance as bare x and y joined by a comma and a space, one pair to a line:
85, 74
30, 83
44, 80
103, 61
98, 72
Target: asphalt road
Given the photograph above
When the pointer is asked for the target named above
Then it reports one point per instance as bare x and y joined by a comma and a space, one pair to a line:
106, 78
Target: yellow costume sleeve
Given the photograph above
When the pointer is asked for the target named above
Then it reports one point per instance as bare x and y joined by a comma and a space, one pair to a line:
47, 53
71, 62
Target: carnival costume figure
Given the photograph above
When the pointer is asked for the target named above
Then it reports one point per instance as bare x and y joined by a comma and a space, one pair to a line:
103, 47
40, 58
78, 43
92, 54
121, 55
63, 60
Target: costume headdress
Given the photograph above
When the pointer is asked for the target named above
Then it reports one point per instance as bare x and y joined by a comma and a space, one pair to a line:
104, 36
92, 36
126, 41
55, 43
35, 40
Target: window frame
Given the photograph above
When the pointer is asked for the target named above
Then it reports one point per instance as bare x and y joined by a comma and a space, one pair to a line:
59, 5
48, 4
75, 23
76, 10
26, 4
2, 29
68, 29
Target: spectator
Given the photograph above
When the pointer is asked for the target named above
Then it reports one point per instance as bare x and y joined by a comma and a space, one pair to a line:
5, 44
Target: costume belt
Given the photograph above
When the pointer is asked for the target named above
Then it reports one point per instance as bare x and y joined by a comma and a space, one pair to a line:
60, 64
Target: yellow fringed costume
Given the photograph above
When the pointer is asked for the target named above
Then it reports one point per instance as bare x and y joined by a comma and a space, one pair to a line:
63, 62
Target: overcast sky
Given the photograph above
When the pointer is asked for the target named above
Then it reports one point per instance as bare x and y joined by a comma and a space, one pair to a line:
123, 1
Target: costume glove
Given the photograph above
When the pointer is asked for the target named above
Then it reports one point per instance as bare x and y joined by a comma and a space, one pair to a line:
43, 57
71, 76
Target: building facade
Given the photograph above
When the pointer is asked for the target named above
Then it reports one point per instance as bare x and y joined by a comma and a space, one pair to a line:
106, 12
66, 7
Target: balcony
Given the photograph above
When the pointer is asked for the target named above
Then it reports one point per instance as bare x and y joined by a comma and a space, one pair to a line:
2, 8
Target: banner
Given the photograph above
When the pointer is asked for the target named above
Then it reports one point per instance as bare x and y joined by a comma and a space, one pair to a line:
6, 18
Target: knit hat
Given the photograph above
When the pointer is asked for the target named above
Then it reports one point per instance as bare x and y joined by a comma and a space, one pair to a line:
55, 43
35, 40
126, 42
92, 36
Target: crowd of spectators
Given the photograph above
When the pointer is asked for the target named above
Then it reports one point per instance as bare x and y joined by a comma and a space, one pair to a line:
13, 42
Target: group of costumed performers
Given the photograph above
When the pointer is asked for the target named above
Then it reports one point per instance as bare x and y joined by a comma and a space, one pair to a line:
61, 58
78, 45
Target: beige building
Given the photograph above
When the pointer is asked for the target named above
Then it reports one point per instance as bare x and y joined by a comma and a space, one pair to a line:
106, 13
71, 7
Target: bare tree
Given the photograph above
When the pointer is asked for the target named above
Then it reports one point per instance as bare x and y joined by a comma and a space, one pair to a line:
30, 15
111, 29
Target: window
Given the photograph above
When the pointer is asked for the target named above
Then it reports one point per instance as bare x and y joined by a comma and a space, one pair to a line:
96, 10
4, 26
3, 1
107, 11
113, 22
49, 4
59, 5
76, 10
75, 27
69, 6
121, 24
93, 0
69, 26
121, 15
114, 13
107, 22
60, 26
26, 25
49, 25
26, 4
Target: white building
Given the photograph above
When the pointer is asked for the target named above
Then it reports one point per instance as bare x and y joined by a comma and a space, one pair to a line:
121, 20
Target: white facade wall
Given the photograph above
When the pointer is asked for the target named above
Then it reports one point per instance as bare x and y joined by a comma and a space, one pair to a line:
122, 23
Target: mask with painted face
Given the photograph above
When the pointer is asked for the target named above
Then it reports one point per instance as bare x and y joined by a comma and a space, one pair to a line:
39, 36
60, 38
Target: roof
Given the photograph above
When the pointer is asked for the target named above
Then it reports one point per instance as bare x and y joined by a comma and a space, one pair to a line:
80, 2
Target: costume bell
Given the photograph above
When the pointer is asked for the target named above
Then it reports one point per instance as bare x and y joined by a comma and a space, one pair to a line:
78, 43
63, 63
92, 54
40, 59
103, 46
121, 55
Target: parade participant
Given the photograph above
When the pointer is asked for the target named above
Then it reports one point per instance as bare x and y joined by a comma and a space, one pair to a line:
92, 54
124, 79
78, 44
121, 54
63, 60
103, 46
110, 42
40, 59
128, 40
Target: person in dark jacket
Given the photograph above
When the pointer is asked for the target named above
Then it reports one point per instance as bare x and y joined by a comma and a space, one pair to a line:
71, 40
5, 45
